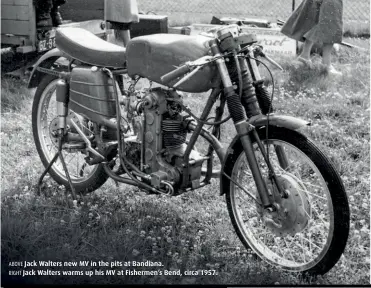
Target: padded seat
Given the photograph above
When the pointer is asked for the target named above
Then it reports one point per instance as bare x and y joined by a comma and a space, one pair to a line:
84, 46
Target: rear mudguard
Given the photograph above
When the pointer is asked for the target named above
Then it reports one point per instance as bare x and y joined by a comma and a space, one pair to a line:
288, 122
45, 61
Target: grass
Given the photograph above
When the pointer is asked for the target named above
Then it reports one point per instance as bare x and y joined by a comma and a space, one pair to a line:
192, 231
14, 93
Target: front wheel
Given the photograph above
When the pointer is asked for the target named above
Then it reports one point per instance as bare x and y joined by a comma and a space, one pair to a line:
310, 232
84, 178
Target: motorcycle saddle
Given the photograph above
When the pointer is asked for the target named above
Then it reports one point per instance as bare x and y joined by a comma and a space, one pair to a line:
84, 46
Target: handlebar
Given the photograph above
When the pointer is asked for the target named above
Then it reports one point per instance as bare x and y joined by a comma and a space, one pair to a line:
180, 71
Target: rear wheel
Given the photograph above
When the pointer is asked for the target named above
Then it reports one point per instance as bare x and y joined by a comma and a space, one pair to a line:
310, 233
85, 178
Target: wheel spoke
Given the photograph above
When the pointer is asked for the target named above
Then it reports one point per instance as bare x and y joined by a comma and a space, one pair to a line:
241, 188
279, 246
310, 243
246, 173
311, 194
319, 217
77, 166
245, 198
309, 216
299, 246
262, 233
302, 245
66, 156
292, 256
265, 238
312, 185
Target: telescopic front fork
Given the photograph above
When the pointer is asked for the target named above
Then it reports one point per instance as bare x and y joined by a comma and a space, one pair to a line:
243, 128
264, 102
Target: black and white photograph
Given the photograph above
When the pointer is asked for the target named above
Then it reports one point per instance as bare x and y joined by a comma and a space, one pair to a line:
172, 142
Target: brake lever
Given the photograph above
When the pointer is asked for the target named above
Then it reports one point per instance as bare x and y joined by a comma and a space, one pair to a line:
274, 63
270, 60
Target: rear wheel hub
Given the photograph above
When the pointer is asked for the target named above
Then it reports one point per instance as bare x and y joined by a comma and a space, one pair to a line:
53, 127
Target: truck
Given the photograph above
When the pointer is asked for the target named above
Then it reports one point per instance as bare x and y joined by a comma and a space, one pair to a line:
22, 41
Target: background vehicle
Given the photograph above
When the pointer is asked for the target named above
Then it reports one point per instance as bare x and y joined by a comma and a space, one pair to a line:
22, 42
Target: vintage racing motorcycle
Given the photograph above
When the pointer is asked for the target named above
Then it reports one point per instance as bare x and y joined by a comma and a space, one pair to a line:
285, 199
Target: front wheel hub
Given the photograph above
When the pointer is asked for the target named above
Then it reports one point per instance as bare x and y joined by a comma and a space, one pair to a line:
294, 211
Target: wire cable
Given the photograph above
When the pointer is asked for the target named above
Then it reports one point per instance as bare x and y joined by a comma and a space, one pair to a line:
272, 96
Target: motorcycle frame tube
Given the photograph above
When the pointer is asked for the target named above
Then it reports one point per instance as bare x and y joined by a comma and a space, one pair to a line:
121, 179
216, 133
215, 144
243, 128
192, 141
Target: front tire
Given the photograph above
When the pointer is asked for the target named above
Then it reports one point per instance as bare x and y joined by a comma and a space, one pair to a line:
84, 178
314, 241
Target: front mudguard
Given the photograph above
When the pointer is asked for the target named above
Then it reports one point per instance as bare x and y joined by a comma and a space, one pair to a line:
284, 121
288, 122
45, 61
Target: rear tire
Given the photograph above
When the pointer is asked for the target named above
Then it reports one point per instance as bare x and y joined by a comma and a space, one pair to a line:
95, 178
325, 205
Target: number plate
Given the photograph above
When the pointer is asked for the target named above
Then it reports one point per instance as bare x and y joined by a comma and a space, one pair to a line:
46, 44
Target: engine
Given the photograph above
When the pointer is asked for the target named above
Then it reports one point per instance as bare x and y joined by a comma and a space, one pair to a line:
164, 134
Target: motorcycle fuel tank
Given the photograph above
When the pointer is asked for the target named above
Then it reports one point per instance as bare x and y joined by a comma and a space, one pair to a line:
155, 55
92, 94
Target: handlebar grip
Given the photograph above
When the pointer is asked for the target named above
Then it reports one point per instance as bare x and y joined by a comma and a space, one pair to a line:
180, 71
